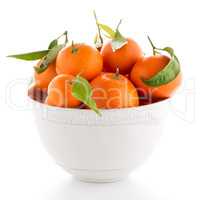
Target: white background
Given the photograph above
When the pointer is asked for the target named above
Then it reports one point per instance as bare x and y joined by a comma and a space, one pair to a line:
26, 170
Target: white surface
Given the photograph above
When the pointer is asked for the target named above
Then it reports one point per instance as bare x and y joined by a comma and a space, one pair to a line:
26, 171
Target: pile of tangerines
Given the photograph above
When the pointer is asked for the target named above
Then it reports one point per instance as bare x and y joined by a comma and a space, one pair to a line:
107, 75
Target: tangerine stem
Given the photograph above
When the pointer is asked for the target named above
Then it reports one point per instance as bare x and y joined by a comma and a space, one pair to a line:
152, 45
65, 33
98, 28
66, 37
74, 49
120, 21
116, 76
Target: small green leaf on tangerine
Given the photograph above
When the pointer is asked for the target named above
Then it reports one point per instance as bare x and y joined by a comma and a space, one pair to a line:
82, 90
49, 58
53, 44
119, 41
167, 74
41, 68
108, 30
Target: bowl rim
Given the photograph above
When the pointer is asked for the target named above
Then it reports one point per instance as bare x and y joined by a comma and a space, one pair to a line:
138, 108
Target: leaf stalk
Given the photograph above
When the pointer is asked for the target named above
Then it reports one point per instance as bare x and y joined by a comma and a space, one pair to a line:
153, 46
98, 28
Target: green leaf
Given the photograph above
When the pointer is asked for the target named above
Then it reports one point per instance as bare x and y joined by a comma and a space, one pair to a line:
41, 54
50, 57
92, 104
108, 30
107, 36
53, 53
118, 42
169, 50
30, 56
168, 73
41, 69
82, 90
53, 44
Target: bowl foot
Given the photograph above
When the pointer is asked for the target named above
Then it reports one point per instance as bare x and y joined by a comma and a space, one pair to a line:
93, 180
99, 176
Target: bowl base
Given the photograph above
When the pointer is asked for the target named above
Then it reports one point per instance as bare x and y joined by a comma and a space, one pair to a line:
99, 176
93, 180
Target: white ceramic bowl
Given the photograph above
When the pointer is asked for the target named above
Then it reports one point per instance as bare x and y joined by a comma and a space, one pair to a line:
100, 149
